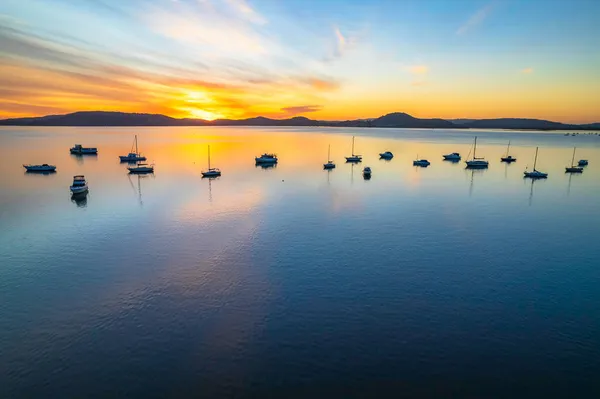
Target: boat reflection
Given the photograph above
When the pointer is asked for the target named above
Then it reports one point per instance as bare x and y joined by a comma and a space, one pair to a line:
80, 199
138, 192
266, 165
473, 172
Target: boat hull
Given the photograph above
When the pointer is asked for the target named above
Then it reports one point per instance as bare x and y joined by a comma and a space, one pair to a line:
386, 156
535, 175
131, 159
265, 161
423, 164
78, 189
41, 169
211, 174
329, 166
353, 159
451, 157
84, 151
141, 170
477, 164
583, 162
508, 160
573, 169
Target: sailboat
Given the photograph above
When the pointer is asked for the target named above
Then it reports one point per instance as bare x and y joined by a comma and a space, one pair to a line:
133, 156
508, 158
573, 168
421, 162
211, 172
535, 174
354, 157
330, 164
476, 163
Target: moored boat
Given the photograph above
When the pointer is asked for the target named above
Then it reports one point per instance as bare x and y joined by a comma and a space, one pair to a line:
141, 168
421, 162
476, 163
211, 172
79, 185
367, 172
330, 164
78, 149
386, 155
40, 168
354, 157
573, 168
535, 174
583, 162
266, 159
455, 156
508, 158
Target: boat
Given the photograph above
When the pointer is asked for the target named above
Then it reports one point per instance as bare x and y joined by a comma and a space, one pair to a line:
455, 156
141, 168
133, 156
211, 172
79, 185
386, 155
573, 168
508, 158
421, 162
583, 162
354, 157
535, 174
367, 172
266, 159
476, 163
40, 168
330, 164
78, 149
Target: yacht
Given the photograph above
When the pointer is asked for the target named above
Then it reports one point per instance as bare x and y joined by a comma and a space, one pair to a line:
78, 149
141, 168
211, 172
421, 162
330, 164
133, 156
508, 158
386, 155
354, 157
573, 168
477, 163
535, 174
79, 185
367, 172
266, 159
455, 156
583, 162
40, 168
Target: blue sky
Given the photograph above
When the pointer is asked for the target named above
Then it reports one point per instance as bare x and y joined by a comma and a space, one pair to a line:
332, 59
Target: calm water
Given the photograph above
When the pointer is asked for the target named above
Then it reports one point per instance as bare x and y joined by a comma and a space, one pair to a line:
294, 281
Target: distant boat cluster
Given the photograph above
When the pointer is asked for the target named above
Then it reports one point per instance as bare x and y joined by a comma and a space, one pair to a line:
80, 187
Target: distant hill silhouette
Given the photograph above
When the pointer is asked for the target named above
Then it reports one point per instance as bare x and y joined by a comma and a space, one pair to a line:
396, 119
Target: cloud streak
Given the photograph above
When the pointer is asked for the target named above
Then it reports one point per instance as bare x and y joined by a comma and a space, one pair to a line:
301, 109
527, 70
476, 19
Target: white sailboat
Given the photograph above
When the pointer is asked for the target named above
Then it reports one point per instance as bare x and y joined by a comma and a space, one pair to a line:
211, 172
133, 156
330, 164
573, 168
477, 163
535, 174
354, 157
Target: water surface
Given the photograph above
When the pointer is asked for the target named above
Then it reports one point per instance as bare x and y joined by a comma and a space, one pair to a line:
295, 281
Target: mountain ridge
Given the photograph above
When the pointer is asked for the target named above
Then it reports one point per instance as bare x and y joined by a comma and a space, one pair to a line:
391, 120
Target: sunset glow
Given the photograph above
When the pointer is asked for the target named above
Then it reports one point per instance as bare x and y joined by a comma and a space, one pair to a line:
215, 59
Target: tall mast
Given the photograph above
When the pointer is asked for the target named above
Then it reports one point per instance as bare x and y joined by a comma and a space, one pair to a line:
209, 156
352, 145
535, 160
573, 159
508, 148
136, 149
475, 148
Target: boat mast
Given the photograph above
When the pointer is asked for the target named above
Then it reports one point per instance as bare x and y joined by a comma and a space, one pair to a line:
352, 145
508, 148
136, 148
475, 148
573, 159
209, 157
535, 160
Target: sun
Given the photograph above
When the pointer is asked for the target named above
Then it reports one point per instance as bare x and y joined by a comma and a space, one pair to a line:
202, 114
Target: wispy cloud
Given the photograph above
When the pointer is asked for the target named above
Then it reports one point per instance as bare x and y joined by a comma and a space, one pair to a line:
419, 74
477, 18
418, 69
527, 70
301, 109
243, 8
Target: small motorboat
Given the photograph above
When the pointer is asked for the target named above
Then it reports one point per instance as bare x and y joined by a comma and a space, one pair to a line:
79, 185
421, 162
330, 164
354, 157
78, 149
573, 168
133, 156
141, 168
367, 172
40, 168
211, 172
535, 174
266, 159
583, 162
386, 155
455, 156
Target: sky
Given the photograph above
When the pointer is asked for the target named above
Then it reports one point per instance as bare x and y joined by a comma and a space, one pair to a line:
323, 59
